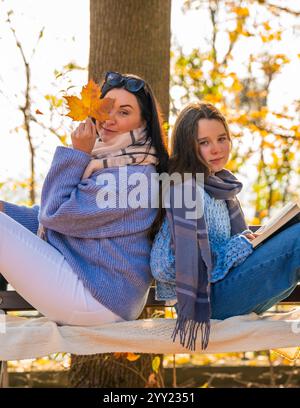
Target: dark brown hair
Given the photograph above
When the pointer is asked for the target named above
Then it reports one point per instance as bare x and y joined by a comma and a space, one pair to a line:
185, 156
151, 113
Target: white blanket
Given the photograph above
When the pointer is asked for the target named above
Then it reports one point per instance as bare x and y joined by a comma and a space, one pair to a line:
22, 338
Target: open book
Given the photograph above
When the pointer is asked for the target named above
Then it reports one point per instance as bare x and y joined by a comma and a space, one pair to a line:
288, 215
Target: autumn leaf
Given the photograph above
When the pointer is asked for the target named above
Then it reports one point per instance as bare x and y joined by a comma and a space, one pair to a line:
152, 381
38, 112
205, 385
89, 104
291, 353
156, 364
132, 356
128, 356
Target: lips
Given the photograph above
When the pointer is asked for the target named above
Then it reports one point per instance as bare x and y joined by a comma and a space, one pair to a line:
108, 130
216, 160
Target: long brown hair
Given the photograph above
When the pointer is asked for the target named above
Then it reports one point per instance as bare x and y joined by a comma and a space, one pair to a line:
151, 113
185, 156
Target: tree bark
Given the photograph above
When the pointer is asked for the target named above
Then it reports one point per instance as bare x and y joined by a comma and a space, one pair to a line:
132, 36
128, 36
109, 371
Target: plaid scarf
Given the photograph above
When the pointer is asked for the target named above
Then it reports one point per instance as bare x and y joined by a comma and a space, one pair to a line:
193, 263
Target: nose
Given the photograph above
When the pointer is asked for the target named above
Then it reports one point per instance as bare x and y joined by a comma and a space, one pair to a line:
214, 148
111, 120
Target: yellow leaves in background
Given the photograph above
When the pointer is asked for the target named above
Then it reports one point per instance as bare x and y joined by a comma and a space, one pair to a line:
274, 64
214, 99
253, 93
255, 221
63, 139
271, 37
128, 356
296, 130
132, 356
90, 104
291, 353
54, 101
170, 313
156, 364
267, 139
263, 214
195, 74
259, 114
205, 385
241, 11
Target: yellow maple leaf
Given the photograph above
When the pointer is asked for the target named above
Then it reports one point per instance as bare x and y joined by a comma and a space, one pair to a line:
132, 356
89, 104
128, 356
290, 353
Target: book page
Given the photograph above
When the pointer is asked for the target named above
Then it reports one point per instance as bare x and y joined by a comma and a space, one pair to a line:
276, 217
281, 218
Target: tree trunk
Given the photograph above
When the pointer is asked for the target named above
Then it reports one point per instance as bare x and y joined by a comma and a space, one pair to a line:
128, 36
109, 371
132, 36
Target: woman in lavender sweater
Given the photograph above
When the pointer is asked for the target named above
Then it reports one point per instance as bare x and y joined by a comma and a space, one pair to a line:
82, 256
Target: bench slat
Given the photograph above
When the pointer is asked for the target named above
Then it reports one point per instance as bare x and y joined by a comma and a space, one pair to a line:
11, 301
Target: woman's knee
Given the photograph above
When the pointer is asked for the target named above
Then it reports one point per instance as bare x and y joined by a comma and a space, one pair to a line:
290, 234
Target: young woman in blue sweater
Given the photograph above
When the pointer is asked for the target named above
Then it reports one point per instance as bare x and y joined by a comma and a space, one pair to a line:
207, 267
92, 265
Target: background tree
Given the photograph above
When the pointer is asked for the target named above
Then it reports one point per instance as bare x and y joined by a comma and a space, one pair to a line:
50, 122
132, 36
266, 139
25, 107
127, 36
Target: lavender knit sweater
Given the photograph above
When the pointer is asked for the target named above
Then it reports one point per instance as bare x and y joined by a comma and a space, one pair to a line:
107, 248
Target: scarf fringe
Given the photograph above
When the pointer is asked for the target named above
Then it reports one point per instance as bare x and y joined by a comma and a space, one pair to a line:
188, 332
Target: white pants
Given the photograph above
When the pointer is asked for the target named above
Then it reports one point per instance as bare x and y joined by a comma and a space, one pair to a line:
42, 276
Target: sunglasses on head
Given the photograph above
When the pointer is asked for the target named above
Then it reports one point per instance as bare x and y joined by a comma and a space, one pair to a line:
115, 80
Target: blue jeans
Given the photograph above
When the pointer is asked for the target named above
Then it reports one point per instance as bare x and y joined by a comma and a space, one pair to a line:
267, 276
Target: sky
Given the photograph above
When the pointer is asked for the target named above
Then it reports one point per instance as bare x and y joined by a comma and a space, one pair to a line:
62, 42
66, 38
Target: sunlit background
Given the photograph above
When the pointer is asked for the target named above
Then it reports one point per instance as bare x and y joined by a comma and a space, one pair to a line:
59, 65
65, 45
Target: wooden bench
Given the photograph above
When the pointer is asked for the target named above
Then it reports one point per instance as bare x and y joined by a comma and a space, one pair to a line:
10, 300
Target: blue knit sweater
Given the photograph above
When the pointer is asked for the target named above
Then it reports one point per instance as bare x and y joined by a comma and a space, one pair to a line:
227, 251
107, 248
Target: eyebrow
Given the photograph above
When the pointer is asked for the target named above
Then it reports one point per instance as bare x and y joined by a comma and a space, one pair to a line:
222, 134
126, 106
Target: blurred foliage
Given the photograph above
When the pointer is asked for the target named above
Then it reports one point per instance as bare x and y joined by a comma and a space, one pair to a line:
267, 141
37, 114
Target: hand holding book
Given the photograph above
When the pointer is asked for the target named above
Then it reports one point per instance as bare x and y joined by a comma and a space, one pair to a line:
284, 218
251, 236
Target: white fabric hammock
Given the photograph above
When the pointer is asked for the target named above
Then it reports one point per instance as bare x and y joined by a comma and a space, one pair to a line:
22, 338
